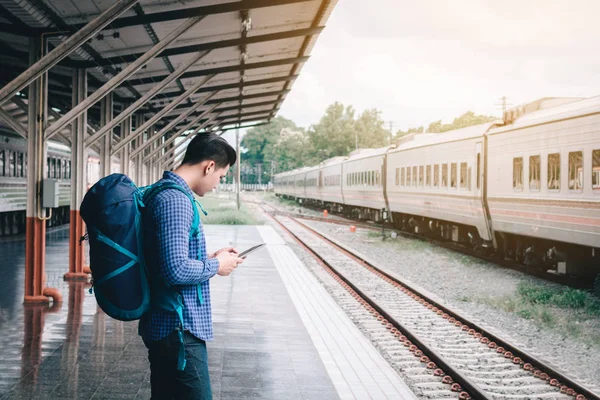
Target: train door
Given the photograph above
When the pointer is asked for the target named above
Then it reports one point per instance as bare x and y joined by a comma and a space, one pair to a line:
480, 192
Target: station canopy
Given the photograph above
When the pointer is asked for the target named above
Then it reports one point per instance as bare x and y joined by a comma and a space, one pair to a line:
248, 55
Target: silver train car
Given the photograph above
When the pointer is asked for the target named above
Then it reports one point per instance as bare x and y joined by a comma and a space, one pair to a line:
13, 181
525, 188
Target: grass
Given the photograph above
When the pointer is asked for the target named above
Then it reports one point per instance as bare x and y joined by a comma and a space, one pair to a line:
571, 312
223, 211
566, 298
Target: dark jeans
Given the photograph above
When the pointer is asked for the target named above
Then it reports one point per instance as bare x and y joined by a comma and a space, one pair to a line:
193, 383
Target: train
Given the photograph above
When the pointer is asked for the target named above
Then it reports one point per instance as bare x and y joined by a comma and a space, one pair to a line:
13, 181
525, 187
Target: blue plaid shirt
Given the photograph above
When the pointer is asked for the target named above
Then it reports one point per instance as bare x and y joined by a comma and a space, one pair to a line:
172, 255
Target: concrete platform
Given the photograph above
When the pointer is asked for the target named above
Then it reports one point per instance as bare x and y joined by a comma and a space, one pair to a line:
278, 334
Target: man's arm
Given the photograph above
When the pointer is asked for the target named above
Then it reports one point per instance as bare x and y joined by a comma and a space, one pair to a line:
173, 220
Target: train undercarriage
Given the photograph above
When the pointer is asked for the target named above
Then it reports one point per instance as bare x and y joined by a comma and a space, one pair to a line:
13, 222
545, 255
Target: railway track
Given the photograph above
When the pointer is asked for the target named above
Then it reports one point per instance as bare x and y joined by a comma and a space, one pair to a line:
440, 351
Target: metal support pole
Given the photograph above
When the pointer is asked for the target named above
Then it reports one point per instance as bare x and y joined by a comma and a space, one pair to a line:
125, 156
13, 123
139, 162
78, 174
173, 123
181, 131
169, 159
177, 150
35, 225
65, 48
168, 108
152, 168
145, 98
239, 165
122, 76
106, 115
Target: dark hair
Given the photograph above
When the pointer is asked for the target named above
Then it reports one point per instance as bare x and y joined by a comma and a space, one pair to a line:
208, 146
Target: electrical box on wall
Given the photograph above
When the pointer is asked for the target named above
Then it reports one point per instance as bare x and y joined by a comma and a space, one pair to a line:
50, 193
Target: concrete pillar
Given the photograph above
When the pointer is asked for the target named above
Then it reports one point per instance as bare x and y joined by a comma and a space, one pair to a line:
125, 131
35, 225
106, 115
78, 174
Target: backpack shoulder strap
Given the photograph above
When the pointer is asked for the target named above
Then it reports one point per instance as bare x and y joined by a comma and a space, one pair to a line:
149, 192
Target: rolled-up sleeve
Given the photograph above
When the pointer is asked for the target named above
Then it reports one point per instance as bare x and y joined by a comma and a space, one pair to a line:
172, 217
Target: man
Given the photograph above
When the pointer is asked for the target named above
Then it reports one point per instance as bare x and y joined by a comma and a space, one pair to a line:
172, 255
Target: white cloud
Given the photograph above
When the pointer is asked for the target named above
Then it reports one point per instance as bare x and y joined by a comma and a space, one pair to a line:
419, 61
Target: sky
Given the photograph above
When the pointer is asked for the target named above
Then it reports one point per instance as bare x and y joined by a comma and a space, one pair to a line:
421, 61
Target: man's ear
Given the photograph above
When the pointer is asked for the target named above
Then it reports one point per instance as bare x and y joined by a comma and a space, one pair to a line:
210, 167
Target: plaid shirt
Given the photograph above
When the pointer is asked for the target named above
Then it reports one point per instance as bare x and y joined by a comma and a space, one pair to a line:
172, 255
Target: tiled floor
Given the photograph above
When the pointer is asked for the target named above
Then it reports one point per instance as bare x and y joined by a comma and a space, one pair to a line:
73, 351
356, 368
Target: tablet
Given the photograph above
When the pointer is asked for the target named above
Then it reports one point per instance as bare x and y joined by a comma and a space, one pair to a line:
250, 250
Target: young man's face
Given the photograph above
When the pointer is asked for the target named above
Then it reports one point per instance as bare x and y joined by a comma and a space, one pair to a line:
211, 180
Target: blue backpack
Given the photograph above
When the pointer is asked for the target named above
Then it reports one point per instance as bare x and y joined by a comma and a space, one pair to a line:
112, 211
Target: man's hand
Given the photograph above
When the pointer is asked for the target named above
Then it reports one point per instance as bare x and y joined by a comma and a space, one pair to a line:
227, 249
227, 262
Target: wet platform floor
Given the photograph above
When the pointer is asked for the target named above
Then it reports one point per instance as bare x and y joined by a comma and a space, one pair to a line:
74, 351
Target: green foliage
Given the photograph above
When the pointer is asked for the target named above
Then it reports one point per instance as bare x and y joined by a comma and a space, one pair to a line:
334, 134
258, 144
223, 211
467, 119
567, 298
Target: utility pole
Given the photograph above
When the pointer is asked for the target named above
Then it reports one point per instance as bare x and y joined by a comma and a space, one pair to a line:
239, 165
391, 132
503, 104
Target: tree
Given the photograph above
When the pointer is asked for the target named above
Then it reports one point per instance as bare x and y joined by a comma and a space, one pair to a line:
467, 119
258, 142
370, 131
292, 150
334, 134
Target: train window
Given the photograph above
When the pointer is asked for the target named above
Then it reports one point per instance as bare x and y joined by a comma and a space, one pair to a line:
402, 177
19, 164
378, 178
436, 175
11, 163
576, 170
453, 175
415, 177
518, 173
59, 168
408, 176
469, 179
397, 176
69, 169
478, 171
535, 165
428, 172
596, 170
445, 176
1, 162
554, 171
421, 176
463, 175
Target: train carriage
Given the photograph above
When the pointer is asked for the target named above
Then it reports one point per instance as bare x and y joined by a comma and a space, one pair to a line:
332, 182
543, 183
363, 183
312, 183
435, 183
